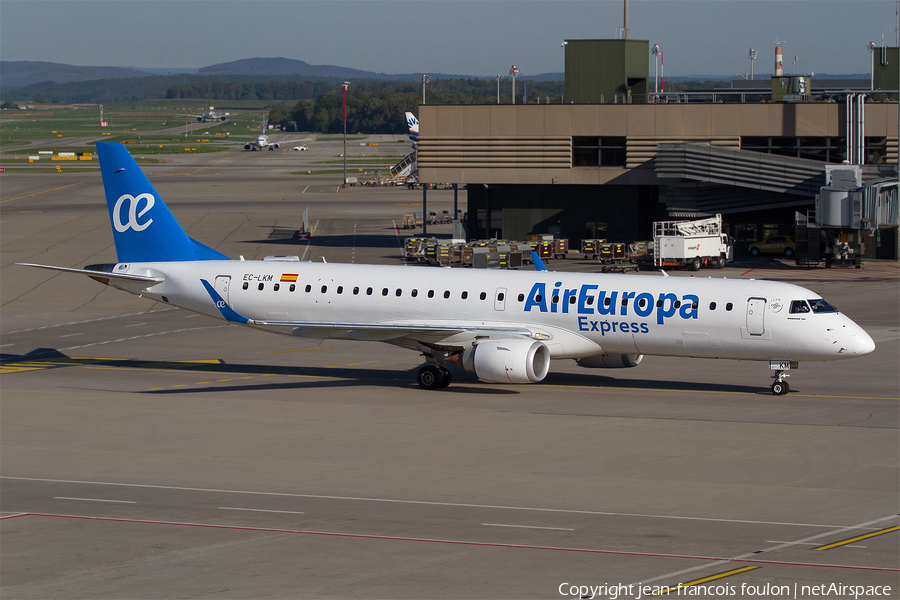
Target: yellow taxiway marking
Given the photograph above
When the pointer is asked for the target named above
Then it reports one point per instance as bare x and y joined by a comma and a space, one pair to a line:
640, 389
858, 538
208, 166
861, 285
704, 580
298, 350
38, 193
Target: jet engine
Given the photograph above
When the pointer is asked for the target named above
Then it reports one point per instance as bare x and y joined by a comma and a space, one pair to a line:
508, 361
248, 146
610, 361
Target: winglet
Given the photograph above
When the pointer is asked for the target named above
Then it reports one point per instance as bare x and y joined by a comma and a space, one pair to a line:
538, 263
228, 313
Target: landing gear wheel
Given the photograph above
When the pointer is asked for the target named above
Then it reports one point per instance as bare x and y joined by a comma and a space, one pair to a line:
446, 377
429, 378
780, 388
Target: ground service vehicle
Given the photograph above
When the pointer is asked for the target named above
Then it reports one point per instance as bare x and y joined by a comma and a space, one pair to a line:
774, 244
690, 244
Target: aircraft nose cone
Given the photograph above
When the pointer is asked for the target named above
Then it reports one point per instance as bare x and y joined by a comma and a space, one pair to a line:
863, 344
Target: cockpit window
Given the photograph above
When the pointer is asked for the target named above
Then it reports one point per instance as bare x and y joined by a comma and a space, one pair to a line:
799, 306
820, 306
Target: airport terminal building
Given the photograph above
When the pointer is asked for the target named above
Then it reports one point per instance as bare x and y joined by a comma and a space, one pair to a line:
615, 157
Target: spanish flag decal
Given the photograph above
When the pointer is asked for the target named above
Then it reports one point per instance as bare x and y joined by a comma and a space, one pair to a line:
289, 277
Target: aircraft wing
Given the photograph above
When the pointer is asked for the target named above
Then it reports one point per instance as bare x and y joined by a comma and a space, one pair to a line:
440, 333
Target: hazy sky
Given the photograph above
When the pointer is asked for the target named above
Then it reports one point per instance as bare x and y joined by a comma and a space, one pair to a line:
444, 36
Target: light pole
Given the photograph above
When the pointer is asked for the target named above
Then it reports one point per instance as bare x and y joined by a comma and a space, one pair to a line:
752, 56
345, 84
655, 52
513, 70
499, 77
425, 79
871, 48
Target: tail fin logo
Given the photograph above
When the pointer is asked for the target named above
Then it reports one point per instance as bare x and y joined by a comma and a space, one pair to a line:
133, 214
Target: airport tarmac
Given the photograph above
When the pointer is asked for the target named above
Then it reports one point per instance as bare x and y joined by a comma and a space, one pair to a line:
147, 452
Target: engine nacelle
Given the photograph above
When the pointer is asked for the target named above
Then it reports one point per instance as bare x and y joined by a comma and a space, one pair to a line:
248, 146
610, 361
508, 361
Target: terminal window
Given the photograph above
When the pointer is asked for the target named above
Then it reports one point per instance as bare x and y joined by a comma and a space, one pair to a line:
590, 151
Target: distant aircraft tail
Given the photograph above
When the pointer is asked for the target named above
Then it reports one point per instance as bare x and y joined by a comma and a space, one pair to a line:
413, 123
143, 227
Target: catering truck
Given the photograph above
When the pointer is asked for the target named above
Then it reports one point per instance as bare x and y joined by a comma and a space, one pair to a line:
691, 244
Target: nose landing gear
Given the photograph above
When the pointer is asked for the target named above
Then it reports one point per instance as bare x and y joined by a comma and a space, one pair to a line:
780, 387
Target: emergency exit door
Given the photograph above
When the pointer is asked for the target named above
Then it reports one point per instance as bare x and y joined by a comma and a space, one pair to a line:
756, 314
500, 299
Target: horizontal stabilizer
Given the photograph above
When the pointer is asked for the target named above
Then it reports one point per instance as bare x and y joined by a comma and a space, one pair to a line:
99, 274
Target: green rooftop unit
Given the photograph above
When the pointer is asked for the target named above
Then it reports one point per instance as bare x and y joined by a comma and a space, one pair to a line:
886, 71
606, 71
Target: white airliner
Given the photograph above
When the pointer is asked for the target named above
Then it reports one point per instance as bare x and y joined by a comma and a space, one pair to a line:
504, 326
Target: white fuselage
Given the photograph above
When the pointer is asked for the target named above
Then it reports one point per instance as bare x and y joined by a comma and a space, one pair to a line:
574, 314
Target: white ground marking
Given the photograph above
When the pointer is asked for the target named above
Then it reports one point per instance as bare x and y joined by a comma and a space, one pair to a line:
834, 528
527, 526
95, 500
289, 512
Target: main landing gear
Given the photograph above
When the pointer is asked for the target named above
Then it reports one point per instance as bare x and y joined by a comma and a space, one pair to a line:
780, 387
431, 377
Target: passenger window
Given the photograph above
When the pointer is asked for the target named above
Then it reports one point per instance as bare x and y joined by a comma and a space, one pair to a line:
695, 304
501, 296
277, 287
261, 286
607, 301
676, 304
729, 306
712, 306
446, 293
572, 299
799, 306
414, 293
642, 303
482, 295
356, 291
340, 289
324, 288
246, 285
384, 291
538, 298
659, 303
431, 293
292, 288
398, 292
368, 291
308, 288
555, 299
624, 301
464, 295
590, 300
521, 298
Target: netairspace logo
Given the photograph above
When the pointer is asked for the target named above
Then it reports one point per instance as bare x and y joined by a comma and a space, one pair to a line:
745, 590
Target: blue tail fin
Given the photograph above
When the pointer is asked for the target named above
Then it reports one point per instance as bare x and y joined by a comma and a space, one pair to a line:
143, 228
